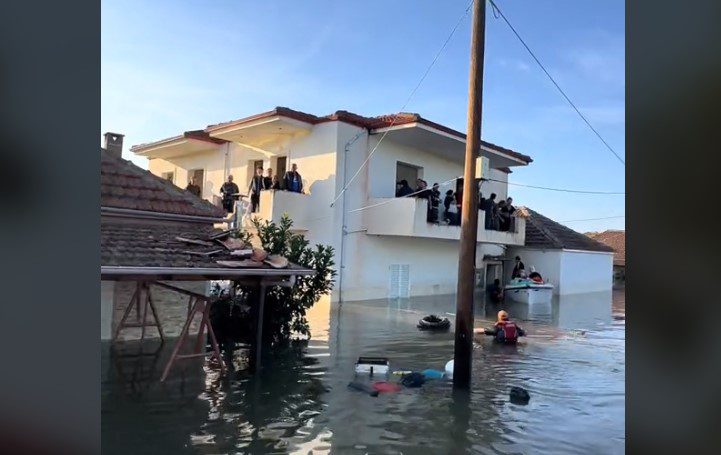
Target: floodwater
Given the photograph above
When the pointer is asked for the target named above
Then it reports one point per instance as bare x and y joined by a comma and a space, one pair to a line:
572, 363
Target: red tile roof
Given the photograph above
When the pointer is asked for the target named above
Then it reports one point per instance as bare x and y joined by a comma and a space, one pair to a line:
614, 239
543, 232
371, 123
124, 185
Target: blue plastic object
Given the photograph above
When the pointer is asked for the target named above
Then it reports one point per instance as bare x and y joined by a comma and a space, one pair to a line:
433, 374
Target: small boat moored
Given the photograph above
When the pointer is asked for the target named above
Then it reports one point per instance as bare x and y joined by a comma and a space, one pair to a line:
528, 291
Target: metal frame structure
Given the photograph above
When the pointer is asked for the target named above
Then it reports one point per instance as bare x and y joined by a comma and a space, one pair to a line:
197, 303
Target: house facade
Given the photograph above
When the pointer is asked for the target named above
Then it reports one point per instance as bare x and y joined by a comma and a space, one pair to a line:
615, 239
384, 246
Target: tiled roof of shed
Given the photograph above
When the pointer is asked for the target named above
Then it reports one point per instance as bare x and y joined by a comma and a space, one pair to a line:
124, 185
543, 232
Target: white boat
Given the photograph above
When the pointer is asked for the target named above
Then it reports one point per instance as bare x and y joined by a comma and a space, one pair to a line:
528, 291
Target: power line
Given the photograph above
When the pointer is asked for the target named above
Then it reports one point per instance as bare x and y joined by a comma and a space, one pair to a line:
595, 219
497, 9
562, 190
413, 92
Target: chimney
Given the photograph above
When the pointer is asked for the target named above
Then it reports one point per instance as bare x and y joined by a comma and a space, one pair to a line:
114, 144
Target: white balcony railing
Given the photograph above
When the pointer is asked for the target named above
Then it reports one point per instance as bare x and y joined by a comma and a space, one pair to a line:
407, 217
274, 203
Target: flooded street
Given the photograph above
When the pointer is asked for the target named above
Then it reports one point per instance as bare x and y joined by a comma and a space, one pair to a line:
572, 363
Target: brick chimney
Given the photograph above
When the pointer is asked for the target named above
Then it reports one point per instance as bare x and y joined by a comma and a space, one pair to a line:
114, 144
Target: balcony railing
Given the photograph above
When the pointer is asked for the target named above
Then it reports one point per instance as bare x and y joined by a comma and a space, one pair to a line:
273, 204
407, 217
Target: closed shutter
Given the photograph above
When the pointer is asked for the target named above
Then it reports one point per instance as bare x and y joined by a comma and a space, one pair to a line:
400, 284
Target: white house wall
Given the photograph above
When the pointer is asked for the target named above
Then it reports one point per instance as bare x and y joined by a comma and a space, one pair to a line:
583, 272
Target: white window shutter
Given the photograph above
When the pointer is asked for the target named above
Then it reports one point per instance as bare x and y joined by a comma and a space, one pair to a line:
399, 281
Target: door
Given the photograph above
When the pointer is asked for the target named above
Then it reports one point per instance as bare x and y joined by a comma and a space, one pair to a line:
199, 176
281, 166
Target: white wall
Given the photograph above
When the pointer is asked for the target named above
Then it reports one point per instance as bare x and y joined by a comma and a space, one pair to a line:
583, 272
107, 297
501, 189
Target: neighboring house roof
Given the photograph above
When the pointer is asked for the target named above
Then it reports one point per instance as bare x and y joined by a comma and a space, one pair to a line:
155, 245
124, 185
543, 232
616, 240
370, 123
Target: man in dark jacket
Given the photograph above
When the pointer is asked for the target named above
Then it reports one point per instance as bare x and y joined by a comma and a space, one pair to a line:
193, 187
435, 199
292, 180
230, 193
268, 180
517, 268
404, 190
490, 210
257, 184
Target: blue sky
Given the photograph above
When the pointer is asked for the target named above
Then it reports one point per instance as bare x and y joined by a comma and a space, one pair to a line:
171, 66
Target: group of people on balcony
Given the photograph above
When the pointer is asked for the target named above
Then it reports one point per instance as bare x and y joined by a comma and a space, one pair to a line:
498, 216
292, 181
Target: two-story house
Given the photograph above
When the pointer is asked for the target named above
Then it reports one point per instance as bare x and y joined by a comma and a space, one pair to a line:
384, 245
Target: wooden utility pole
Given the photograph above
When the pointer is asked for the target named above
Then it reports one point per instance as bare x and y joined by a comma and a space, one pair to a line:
463, 349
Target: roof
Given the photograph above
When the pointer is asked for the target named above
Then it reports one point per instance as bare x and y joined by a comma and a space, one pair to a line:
145, 245
543, 232
370, 123
616, 240
125, 185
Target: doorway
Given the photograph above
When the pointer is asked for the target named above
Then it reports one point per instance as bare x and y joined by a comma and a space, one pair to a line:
281, 165
494, 271
199, 176
408, 172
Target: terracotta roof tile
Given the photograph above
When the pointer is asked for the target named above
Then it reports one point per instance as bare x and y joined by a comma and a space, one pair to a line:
125, 185
543, 232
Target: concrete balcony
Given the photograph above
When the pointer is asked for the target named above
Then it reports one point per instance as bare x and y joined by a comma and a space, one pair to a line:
407, 217
274, 203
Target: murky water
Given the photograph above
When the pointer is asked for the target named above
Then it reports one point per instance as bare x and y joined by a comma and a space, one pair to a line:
572, 363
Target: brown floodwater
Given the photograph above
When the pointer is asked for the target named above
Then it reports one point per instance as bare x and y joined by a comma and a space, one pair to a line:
572, 363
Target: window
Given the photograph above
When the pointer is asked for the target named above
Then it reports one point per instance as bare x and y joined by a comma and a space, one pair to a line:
170, 176
409, 173
400, 284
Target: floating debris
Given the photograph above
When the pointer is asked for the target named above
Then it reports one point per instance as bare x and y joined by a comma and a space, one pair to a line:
519, 395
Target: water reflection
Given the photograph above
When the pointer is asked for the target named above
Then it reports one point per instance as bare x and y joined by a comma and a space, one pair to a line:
572, 363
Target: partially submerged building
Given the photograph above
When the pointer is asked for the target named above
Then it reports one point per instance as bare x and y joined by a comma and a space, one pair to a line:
616, 239
573, 262
384, 246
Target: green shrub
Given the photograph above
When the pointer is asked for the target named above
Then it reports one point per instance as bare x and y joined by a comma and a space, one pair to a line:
285, 308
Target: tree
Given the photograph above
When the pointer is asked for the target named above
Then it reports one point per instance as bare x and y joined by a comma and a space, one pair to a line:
285, 308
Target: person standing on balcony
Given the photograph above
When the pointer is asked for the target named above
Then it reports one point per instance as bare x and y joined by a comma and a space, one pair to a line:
275, 183
489, 210
230, 193
435, 204
193, 187
507, 214
404, 189
268, 180
257, 184
292, 180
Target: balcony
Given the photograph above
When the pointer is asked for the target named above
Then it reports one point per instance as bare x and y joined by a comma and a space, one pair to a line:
274, 203
407, 217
